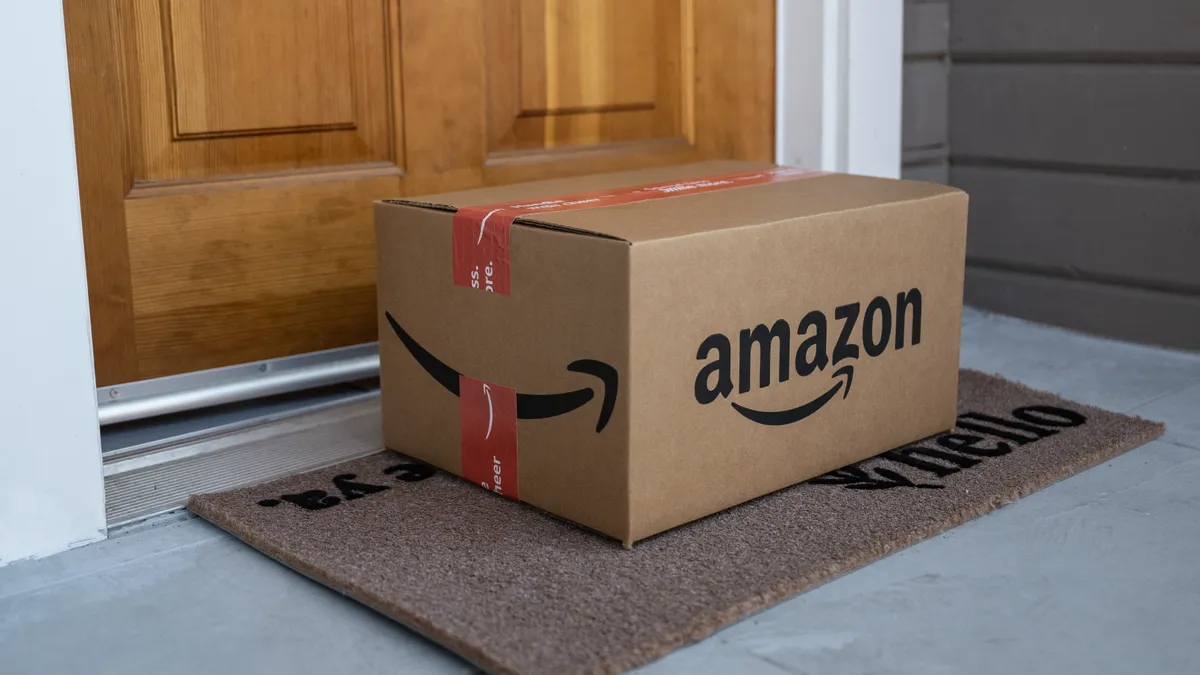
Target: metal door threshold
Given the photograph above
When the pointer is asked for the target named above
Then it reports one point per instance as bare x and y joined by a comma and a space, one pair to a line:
248, 381
148, 480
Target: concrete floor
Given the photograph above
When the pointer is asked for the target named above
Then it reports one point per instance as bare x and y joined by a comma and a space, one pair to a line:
1098, 574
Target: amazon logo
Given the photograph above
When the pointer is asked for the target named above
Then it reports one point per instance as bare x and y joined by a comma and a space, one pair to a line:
857, 332
529, 406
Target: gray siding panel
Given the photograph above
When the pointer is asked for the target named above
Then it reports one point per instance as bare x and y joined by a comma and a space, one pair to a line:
925, 132
937, 172
1123, 313
1119, 116
1123, 28
926, 28
925, 104
1074, 126
1144, 232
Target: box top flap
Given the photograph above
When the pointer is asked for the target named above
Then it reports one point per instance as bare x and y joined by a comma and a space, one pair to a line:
682, 200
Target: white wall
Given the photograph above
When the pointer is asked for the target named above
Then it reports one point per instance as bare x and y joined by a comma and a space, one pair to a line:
51, 489
839, 69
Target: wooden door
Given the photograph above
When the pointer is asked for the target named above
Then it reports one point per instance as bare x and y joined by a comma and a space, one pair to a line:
230, 150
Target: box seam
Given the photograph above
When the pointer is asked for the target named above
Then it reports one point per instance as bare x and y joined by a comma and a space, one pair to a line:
629, 519
527, 222
743, 228
547, 225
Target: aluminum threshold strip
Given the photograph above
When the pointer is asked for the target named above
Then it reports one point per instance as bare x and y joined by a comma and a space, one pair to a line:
192, 441
140, 485
233, 384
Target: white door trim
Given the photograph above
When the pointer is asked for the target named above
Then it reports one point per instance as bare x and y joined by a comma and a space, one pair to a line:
51, 488
839, 68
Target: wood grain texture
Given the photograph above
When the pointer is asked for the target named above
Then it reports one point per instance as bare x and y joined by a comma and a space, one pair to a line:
243, 67
203, 109
1137, 231
120, 81
478, 142
445, 83
1120, 312
298, 277
95, 64
563, 73
228, 218
594, 55
1076, 29
519, 167
735, 78
1130, 117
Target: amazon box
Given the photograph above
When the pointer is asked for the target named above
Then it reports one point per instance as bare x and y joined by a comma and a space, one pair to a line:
633, 351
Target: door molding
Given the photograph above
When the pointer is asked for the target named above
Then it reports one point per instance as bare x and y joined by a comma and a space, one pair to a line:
839, 69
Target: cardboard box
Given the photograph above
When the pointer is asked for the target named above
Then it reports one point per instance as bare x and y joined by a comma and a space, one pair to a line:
636, 358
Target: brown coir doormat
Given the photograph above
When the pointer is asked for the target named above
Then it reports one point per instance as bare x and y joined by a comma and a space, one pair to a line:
516, 591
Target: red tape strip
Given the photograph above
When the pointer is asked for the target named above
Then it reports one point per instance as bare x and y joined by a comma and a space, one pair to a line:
488, 417
488, 411
480, 233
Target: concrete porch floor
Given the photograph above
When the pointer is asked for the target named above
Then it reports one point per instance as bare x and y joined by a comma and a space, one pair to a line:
1097, 574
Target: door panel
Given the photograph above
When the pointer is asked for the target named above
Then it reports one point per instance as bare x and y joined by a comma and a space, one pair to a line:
226, 89
229, 152
229, 77
299, 276
571, 74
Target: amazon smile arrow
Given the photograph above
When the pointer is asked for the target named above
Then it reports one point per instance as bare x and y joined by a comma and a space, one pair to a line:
781, 417
529, 406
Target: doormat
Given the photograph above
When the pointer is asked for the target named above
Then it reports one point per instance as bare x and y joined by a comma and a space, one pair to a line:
515, 590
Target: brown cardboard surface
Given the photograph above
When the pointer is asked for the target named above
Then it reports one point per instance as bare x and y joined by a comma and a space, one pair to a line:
781, 273
671, 297
571, 303
695, 214
575, 184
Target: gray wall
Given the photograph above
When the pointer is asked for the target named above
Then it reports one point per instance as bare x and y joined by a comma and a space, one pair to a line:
1074, 125
926, 78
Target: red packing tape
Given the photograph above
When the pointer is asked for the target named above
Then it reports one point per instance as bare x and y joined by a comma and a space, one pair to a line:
488, 411
481, 233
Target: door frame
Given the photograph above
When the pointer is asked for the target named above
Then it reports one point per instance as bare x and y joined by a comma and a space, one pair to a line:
51, 491
838, 85
838, 88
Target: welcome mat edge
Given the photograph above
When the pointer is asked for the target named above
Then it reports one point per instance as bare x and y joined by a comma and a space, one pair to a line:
700, 629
